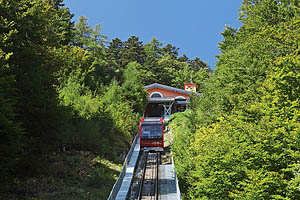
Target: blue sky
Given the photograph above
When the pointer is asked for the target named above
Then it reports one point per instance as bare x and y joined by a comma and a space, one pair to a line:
194, 26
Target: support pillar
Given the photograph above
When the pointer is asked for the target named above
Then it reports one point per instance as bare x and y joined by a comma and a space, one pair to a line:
167, 110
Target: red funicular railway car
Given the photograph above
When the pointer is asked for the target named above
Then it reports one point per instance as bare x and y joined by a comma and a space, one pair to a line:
152, 134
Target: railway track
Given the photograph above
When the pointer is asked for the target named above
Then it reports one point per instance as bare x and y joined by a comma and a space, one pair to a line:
148, 187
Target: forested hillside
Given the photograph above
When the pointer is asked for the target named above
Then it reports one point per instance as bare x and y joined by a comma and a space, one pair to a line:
70, 99
241, 138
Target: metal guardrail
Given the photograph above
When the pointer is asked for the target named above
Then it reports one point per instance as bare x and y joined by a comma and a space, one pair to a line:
119, 181
177, 185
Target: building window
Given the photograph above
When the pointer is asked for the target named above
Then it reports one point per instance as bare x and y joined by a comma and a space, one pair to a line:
156, 95
180, 97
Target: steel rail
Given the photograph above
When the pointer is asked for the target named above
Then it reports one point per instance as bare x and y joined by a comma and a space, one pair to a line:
154, 166
140, 195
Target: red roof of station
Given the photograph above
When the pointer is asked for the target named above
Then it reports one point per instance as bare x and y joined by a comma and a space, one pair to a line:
167, 91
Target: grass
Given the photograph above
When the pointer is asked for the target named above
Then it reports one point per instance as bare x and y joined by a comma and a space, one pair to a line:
73, 175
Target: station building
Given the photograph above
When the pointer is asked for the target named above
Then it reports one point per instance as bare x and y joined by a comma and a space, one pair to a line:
164, 100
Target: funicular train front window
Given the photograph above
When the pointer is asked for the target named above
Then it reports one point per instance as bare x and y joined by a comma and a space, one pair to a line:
151, 131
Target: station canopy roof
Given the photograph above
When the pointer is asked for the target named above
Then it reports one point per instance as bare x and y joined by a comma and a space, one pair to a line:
161, 100
167, 100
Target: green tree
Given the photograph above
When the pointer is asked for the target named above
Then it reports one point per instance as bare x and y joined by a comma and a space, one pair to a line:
133, 89
30, 32
89, 38
246, 142
171, 51
133, 51
98, 65
153, 52
11, 133
38, 34
114, 52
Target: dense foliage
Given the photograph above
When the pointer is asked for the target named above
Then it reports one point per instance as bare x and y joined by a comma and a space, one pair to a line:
244, 141
65, 87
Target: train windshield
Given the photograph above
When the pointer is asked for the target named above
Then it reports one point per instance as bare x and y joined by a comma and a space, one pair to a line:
151, 131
